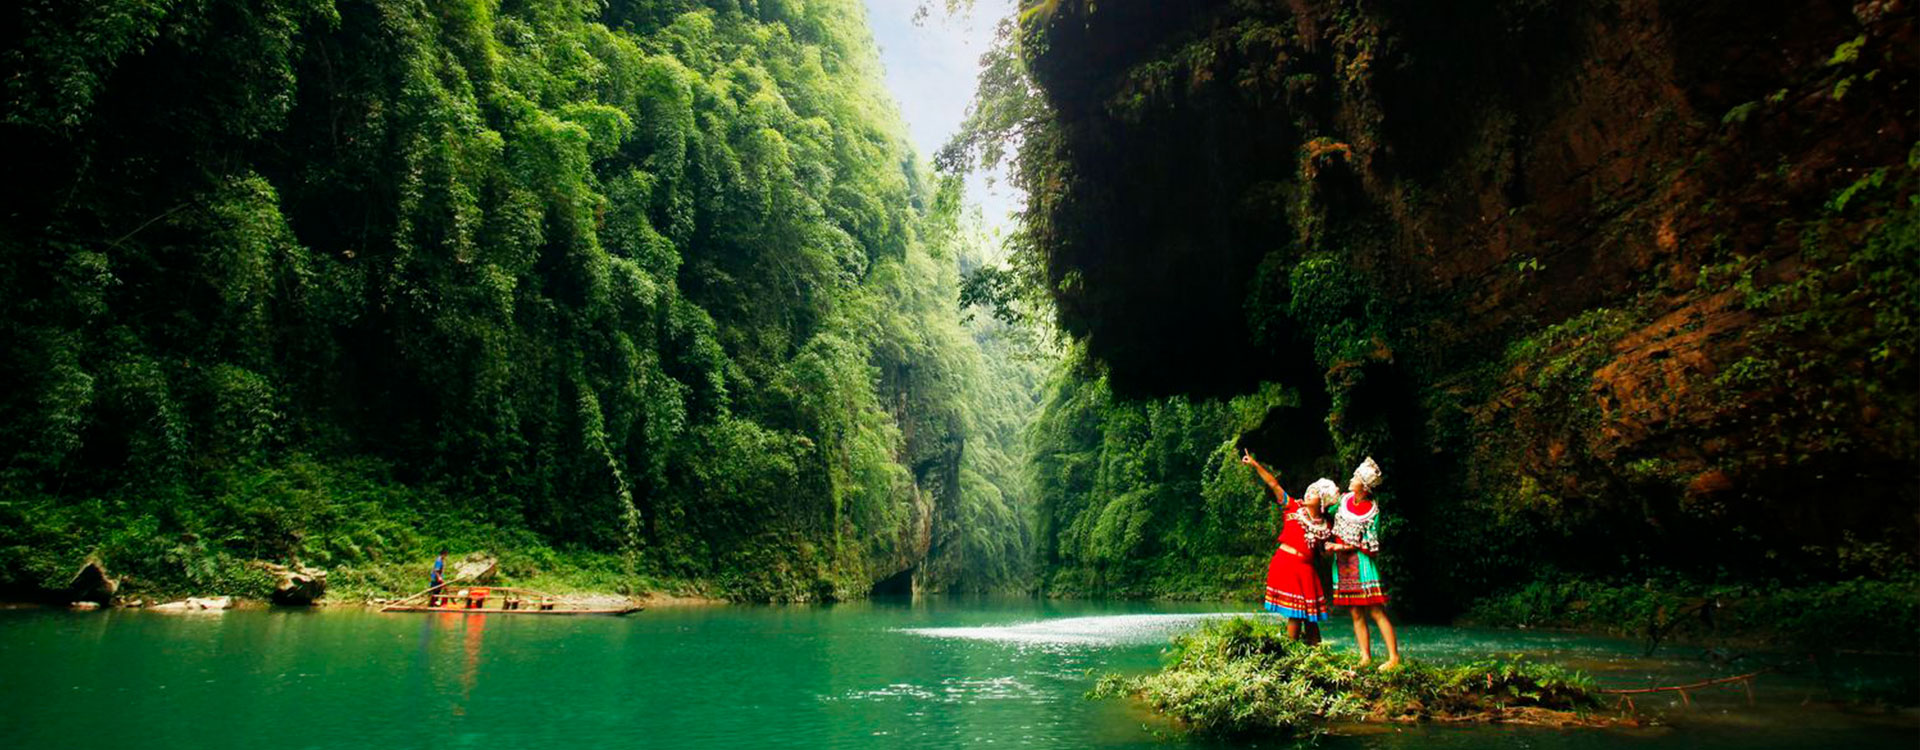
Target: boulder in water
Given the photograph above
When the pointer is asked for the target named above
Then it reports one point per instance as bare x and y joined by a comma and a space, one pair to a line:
197, 604
92, 584
298, 585
476, 568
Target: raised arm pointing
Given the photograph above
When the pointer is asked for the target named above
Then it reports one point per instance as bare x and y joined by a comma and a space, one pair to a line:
1279, 495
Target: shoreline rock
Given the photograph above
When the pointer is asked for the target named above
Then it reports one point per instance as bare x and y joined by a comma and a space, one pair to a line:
196, 604
297, 586
92, 584
475, 568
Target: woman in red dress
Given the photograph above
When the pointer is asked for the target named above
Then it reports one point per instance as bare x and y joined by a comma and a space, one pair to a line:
1293, 586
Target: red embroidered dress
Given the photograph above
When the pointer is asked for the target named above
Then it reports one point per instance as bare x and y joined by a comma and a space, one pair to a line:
1293, 586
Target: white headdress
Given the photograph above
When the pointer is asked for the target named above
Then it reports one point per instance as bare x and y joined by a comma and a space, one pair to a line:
1368, 474
1324, 489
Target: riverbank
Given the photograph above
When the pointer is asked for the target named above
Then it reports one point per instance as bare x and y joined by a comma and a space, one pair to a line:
376, 533
1857, 614
580, 577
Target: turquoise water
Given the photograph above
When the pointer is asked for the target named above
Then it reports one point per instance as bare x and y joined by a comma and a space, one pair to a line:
934, 673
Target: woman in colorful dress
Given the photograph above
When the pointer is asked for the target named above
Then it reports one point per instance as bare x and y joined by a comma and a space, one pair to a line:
1356, 582
1293, 587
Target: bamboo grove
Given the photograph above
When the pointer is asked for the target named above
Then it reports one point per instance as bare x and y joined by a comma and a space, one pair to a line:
651, 287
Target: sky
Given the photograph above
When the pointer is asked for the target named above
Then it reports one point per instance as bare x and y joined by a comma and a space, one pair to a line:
931, 68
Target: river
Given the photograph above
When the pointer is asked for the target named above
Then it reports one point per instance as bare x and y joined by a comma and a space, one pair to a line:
931, 673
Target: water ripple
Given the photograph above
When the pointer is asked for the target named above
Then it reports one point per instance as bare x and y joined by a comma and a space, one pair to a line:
952, 690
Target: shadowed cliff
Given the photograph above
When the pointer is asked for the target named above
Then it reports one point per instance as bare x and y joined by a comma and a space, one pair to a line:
1638, 275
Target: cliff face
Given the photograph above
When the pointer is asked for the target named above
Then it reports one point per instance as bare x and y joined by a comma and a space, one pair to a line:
1567, 266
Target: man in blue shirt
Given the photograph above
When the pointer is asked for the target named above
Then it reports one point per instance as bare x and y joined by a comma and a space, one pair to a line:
437, 579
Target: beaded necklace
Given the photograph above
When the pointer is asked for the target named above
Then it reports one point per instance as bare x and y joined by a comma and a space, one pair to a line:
1349, 526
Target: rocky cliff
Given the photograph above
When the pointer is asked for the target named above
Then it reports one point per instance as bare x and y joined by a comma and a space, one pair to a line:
1634, 274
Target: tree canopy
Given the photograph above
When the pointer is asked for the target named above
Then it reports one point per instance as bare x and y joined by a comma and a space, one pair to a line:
653, 278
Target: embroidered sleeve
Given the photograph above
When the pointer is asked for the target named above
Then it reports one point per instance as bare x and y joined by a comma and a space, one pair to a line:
1370, 539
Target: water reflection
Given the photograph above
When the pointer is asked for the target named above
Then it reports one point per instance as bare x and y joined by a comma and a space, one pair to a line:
940, 673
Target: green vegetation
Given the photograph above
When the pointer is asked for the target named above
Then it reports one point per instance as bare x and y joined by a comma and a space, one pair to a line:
1243, 677
1859, 614
635, 293
374, 536
1148, 498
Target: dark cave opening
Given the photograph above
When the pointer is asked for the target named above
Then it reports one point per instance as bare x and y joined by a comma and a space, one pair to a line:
898, 584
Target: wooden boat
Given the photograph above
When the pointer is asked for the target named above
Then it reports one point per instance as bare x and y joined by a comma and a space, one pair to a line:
456, 610
497, 600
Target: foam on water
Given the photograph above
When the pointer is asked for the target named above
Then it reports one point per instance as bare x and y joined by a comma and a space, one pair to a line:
952, 690
1109, 630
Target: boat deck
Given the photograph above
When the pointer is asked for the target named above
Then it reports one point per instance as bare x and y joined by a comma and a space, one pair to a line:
505, 600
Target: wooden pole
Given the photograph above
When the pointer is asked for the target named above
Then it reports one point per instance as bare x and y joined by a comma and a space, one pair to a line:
430, 589
1745, 680
1690, 686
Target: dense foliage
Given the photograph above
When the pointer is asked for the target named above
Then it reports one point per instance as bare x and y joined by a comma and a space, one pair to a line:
651, 284
1148, 497
1244, 677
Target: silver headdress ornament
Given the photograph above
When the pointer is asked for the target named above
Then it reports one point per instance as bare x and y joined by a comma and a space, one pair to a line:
1324, 489
1368, 474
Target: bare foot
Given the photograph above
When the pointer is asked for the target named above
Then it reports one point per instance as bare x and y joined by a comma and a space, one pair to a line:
1391, 664
1364, 661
